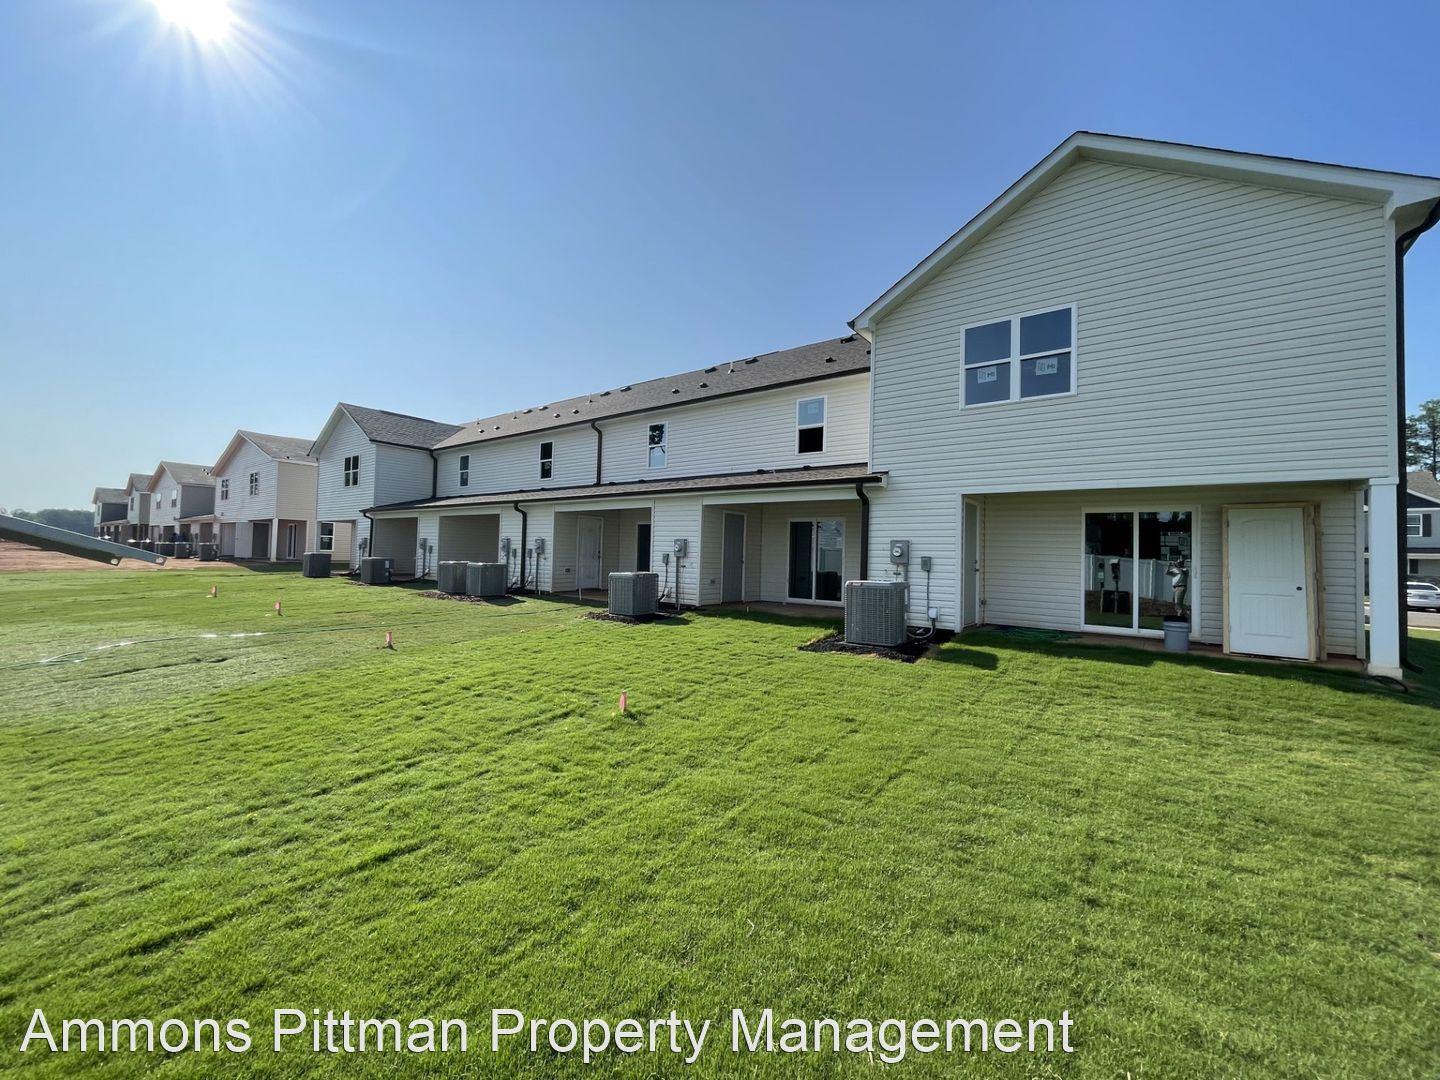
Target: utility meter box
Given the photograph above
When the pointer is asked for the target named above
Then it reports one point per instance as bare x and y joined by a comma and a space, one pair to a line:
899, 552
539, 545
682, 548
505, 548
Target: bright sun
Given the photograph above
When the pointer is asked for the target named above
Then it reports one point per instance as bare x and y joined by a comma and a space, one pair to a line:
206, 20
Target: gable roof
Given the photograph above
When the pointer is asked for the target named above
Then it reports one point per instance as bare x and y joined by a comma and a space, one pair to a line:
786, 367
1422, 482
279, 447
383, 426
182, 473
1407, 197
139, 481
103, 494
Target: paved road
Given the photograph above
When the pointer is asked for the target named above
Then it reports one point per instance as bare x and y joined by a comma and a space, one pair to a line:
1419, 620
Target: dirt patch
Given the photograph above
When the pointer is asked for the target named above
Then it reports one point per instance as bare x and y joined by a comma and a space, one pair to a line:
21, 557
489, 601
906, 654
629, 620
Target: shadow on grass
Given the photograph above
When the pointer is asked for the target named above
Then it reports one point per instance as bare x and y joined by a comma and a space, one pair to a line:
1424, 689
266, 567
767, 618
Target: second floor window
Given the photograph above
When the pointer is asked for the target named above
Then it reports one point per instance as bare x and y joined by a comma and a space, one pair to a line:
547, 460
464, 470
810, 425
224, 490
352, 471
254, 483
1414, 525
174, 498
1024, 356
658, 445
132, 502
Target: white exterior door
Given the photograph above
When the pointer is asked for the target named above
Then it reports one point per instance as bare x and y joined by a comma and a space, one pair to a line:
588, 560
1267, 600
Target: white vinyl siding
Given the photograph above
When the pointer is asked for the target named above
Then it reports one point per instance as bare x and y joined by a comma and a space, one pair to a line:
335, 501
514, 464
1225, 332
242, 505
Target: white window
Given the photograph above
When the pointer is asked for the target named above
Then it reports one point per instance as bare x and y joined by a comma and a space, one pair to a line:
810, 425
327, 536
1024, 356
659, 445
464, 470
174, 497
547, 460
254, 483
352, 471
224, 489
132, 502
1414, 525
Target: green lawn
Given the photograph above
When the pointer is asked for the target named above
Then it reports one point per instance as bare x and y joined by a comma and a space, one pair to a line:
1217, 868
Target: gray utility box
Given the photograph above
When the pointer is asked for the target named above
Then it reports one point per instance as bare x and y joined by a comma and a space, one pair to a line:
315, 564
165, 547
486, 578
636, 595
875, 612
375, 570
206, 552
450, 578
182, 549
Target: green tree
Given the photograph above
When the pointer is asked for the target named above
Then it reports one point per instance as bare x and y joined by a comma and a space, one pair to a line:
1422, 437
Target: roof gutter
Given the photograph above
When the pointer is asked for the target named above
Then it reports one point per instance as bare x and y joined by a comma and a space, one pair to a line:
524, 530
864, 528
599, 448
1403, 243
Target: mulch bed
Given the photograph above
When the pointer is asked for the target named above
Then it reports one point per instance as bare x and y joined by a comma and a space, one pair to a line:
906, 654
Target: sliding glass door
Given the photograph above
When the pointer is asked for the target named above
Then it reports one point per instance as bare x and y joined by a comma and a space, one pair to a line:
1137, 569
817, 560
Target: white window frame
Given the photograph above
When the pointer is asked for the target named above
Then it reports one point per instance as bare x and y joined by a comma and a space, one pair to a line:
824, 400
174, 497
254, 486
663, 445
1015, 359
327, 539
464, 470
225, 490
1414, 524
1135, 510
547, 461
352, 472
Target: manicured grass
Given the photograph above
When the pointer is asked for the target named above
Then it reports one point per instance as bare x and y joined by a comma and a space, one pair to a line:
1217, 868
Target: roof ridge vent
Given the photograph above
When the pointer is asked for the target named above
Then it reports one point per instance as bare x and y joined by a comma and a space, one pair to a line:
704, 385
625, 389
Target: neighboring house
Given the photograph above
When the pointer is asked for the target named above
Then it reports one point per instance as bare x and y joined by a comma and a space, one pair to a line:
1154, 380
756, 468
110, 506
179, 494
369, 456
1422, 525
264, 497
137, 507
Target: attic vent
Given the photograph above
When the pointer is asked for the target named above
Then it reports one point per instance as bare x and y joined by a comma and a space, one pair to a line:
711, 370
529, 411
752, 360
703, 385
829, 359
555, 416
573, 412
624, 389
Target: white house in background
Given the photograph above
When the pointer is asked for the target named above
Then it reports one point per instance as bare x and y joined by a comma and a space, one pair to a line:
264, 497
1422, 525
110, 505
137, 506
1153, 380
369, 456
178, 493
741, 481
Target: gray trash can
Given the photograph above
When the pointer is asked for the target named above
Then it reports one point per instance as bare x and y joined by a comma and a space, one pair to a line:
1177, 635
315, 564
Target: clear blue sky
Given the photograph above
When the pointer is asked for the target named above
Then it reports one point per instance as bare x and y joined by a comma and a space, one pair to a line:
455, 208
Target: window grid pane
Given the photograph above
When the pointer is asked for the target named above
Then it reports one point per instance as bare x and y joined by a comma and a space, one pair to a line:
988, 343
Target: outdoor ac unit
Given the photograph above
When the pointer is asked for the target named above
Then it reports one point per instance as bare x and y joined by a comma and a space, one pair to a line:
182, 549
875, 612
636, 595
315, 564
486, 578
451, 578
204, 552
375, 570
165, 547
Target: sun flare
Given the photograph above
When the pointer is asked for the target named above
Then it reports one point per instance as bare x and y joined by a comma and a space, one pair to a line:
208, 21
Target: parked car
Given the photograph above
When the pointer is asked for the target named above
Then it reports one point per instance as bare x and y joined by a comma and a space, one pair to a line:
1422, 594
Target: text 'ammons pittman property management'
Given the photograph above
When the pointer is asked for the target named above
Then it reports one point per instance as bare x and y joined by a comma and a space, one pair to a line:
511, 1031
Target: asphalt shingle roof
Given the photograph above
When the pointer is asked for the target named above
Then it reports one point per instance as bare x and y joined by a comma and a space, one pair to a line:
828, 474
1422, 482
188, 474
139, 481
837, 356
380, 425
108, 495
281, 446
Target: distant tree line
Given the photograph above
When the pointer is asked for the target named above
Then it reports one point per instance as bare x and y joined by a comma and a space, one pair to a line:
81, 521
